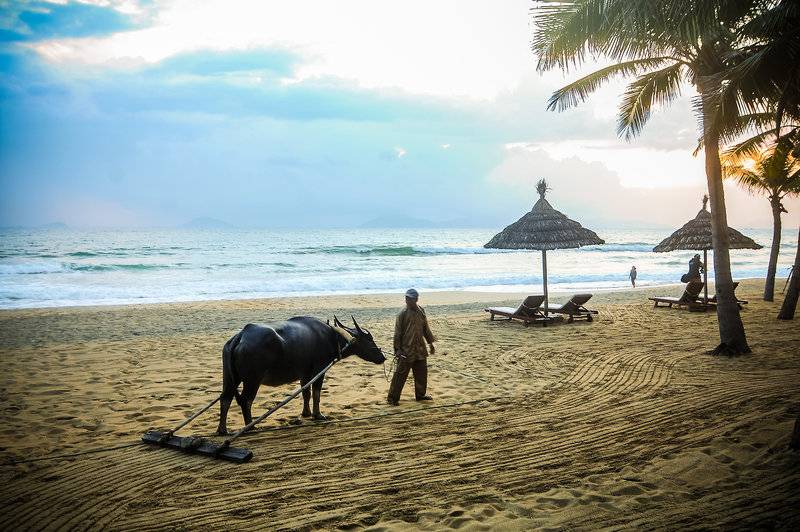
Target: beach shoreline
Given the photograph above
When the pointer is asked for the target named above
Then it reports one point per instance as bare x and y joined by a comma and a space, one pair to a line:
382, 298
625, 421
88, 268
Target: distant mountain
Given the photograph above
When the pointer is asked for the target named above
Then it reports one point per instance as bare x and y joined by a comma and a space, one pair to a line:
206, 223
400, 221
53, 225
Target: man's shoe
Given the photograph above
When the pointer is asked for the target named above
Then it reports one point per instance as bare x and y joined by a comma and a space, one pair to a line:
425, 398
392, 402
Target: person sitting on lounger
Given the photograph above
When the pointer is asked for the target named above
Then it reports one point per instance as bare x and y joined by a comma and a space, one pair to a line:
696, 268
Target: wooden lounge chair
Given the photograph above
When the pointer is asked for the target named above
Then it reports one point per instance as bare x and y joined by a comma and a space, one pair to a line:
689, 299
713, 299
574, 308
528, 312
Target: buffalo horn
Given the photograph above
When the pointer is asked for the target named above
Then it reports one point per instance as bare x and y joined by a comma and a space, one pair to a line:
343, 333
356, 324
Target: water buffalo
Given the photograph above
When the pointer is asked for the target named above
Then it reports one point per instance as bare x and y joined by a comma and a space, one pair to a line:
284, 352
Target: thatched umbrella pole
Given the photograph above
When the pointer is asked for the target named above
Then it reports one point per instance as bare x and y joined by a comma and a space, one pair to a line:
705, 276
544, 278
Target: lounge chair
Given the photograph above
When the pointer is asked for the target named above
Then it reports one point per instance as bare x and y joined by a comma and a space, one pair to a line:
689, 299
574, 308
713, 299
528, 312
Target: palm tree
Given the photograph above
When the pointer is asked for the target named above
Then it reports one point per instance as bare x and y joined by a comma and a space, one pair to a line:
764, 77
663, 44
776, 173
793, 291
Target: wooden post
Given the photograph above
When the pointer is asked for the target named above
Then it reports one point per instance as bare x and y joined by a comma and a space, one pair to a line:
544, 276
192, 417
705, 276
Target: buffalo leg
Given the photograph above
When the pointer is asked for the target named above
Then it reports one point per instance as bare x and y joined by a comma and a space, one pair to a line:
228, 392
248, 395
316, 391
306, 399
224, 405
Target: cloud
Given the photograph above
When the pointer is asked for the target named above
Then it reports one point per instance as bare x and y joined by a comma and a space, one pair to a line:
35, 21
216, 109
372, 44
278, 61
258, 95
635, 164
593, 194
233, 84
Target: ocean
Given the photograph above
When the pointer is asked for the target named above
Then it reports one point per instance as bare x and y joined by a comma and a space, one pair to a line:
65, 267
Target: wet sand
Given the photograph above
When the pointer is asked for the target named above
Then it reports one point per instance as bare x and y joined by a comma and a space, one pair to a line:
623, 422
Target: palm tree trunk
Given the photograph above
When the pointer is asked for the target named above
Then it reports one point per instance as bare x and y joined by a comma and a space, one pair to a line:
769, 285
731, 329
792, 293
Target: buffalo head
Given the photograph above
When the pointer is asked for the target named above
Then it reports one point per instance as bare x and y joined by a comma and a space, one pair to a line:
361, 344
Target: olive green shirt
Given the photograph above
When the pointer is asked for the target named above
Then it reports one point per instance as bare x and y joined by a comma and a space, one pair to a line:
411, 331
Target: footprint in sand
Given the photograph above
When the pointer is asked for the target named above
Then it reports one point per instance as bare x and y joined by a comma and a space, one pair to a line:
90, 425
458, 522
627, 491
55, 391
553, 501
489, 512
156, 408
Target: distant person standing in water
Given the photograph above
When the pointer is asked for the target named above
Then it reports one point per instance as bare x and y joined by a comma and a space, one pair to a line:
632, 275
411, 333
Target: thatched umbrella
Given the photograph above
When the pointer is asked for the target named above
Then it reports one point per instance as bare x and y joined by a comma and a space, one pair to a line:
544, 228
696, 235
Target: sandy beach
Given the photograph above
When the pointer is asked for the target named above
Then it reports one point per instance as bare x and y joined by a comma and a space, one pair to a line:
619, 423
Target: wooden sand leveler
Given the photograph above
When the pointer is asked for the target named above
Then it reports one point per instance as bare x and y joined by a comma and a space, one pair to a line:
224, 451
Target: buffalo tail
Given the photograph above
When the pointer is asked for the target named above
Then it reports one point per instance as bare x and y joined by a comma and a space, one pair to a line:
230, 376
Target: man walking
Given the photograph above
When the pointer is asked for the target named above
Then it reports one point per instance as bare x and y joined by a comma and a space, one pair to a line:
632, 276
411, 333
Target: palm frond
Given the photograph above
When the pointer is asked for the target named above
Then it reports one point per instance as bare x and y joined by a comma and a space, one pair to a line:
577, 91
653, 88
773, 170
751, 123
752, 147
792, 186
568, 32
747, 179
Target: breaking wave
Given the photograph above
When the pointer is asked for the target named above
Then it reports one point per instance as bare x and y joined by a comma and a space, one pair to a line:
398, 251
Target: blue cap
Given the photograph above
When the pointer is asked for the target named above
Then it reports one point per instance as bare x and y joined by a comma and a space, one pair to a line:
413, 294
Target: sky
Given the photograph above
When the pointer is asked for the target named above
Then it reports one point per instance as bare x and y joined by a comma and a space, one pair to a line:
127, 113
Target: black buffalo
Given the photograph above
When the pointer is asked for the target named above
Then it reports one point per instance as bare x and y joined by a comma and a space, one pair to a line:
284, 352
